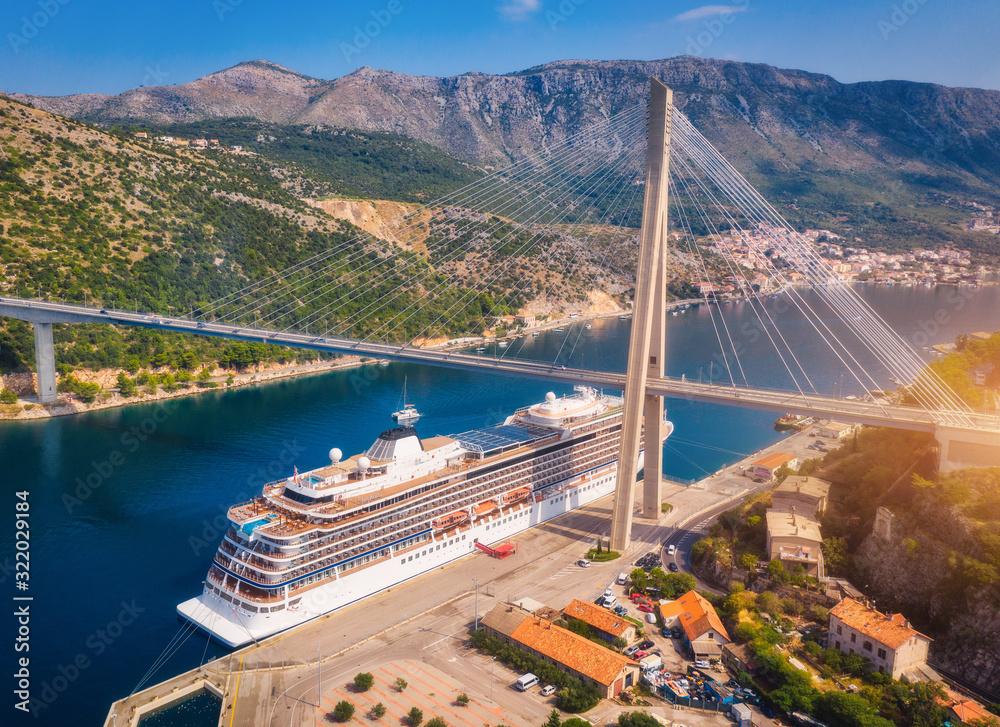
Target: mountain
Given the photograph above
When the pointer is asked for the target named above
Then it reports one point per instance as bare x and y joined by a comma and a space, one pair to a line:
88, 215
875, 160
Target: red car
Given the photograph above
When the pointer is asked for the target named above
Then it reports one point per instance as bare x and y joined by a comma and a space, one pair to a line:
645, 607
637, 597
639, 655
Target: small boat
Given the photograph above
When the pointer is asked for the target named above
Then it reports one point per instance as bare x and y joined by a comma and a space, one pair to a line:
515, 495
450, 520
588, 326
534, 335
484, 508
502, 344
480, 349
408, 412
558, 330
383, 363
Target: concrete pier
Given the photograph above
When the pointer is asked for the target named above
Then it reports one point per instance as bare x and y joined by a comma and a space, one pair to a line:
45, 362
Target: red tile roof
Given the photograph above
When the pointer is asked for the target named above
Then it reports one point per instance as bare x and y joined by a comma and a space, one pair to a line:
572, 650
891, 630
600, 618
697, 615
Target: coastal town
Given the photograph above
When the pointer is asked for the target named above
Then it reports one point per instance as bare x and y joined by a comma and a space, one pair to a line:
756, 252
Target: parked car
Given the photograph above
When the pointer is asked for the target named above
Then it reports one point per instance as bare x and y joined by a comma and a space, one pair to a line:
548, 690
675, 633
637, 597
665, 632
639, 655
630, 651
608, 593
645, 608
620, 610
583, 563
651, 617
647, 644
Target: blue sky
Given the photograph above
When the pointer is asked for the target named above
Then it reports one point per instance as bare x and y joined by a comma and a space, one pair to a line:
82, 46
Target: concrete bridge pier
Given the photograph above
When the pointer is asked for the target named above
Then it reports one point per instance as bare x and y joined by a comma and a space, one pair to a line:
45, 362
963, 447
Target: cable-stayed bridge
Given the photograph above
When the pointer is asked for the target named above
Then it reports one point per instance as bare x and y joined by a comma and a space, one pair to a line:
452, 267
850, 410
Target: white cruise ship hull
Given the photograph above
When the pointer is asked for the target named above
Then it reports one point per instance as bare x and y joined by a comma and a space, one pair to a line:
235, 627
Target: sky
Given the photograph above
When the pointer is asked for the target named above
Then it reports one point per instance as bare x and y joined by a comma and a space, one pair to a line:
56, 47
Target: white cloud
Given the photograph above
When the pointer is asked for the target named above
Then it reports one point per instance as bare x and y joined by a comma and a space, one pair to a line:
519, 9
706, 10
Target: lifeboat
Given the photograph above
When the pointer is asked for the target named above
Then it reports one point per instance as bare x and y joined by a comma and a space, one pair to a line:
515, 495
484, 508
450, 520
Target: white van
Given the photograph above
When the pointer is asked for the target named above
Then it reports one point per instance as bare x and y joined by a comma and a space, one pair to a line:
526, 682
622, 578
609, 601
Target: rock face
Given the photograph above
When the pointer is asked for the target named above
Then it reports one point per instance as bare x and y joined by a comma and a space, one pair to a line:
768, 117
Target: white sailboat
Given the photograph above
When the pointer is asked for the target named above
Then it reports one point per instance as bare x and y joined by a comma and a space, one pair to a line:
408, 413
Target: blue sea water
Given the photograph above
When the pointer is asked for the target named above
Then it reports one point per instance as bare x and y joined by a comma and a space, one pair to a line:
128, 505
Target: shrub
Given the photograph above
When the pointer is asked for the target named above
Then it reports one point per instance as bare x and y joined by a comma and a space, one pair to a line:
8, 397
436, 722
379, 710
462, 699
343, 710
415, 716
364, 681
400, 684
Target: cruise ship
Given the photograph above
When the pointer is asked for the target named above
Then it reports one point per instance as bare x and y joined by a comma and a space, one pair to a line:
319, 540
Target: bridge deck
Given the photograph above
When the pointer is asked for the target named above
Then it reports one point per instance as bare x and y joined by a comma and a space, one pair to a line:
855, 411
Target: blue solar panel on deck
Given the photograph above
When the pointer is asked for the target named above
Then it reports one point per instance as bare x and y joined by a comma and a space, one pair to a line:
499, 437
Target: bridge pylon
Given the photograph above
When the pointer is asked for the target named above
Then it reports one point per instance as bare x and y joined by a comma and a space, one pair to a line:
646, 344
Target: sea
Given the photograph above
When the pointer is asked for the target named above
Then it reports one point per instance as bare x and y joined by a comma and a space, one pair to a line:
127, 506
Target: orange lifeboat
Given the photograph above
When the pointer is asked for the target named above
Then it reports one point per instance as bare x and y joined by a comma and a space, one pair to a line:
515, 495
484, 508
450, 520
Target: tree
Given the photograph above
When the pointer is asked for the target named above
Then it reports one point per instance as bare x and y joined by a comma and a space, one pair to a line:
364, 681
415, 716
400, 684
8, 397
462, 699
768, 602
554, 719
637, 719
343, 710
436, 722
777, 573
638, 578
379, 710
598, 545
835, 555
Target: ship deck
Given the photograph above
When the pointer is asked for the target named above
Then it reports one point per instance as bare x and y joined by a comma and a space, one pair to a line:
292, 521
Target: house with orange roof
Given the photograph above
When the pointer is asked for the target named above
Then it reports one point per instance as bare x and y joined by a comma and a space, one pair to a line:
886, 640
767, 465
589, 662
607, 624
703, 631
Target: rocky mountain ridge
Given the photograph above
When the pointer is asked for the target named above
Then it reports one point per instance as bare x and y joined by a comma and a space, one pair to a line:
799, 115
